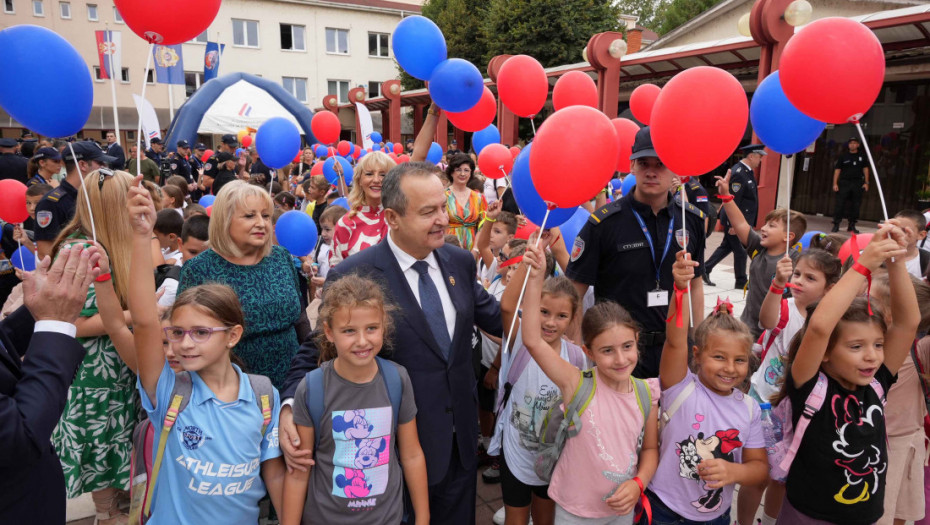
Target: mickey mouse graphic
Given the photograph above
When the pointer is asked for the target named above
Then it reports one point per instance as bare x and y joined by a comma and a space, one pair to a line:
353, 424
693, 450
354, 483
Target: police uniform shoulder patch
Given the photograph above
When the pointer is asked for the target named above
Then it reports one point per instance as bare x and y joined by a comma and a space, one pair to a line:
56, 194
735, 187
43, 218
694, 185
577, 248
604, 211
208, 166
174, 165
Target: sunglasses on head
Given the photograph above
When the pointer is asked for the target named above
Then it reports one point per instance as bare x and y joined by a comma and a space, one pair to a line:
102, 174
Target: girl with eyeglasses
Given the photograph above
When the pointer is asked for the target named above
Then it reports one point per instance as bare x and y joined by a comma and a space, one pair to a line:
225, 452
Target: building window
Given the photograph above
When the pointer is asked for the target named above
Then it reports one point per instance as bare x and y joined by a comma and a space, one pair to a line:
118, 18
8, 7
292, 38
92, 12
124, 74
192, 81
150, 77
378, 44
337, 41
340, 88
65, 9
201, 38
245, 33
38, 8
98, 75
374, 89
296, 86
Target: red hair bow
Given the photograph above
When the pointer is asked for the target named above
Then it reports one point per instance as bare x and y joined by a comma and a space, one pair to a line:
724, 304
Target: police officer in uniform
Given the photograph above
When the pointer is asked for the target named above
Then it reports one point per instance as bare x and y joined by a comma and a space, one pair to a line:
12, 165
156, 152
627, 248
179, 164
746, 196
48, 155
850, 180
56, 208
211, 167
196, 166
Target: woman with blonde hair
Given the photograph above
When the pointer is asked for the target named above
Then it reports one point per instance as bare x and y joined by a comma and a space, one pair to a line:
364, 225
94, 437
243, 257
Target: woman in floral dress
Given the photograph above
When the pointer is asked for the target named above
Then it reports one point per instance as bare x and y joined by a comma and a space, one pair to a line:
466, 206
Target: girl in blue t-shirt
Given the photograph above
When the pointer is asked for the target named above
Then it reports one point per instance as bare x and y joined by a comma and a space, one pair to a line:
222, 450
357, 415
849, 356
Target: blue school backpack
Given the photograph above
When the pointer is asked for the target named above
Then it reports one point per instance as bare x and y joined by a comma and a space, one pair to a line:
144, 471
315, 392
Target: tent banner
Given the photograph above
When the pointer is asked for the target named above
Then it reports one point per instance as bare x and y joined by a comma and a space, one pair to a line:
240, 106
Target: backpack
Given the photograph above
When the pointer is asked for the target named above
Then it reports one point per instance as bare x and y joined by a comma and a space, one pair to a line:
783, 452
144, 471
559, 424
761, 347
166, 271
522, 358
315, 391
665, 414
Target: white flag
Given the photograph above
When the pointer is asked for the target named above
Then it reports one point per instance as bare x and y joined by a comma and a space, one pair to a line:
150, 129
364, 122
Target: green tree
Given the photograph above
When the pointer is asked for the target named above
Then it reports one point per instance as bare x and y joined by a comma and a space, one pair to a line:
674, 13
646, 11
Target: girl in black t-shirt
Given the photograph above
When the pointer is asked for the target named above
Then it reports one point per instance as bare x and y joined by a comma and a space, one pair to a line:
838, 475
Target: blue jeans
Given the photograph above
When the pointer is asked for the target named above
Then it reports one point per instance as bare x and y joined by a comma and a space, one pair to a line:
662, 515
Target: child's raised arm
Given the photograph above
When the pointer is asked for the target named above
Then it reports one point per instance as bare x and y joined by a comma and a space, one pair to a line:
560, 371
770, 311
734, 214
832, 307
674, 364
146, 327
905, 313
112, 315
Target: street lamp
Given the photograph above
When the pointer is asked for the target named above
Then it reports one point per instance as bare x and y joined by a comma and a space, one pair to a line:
798, 13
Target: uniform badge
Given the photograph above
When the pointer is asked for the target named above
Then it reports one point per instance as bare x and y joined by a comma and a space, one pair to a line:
208, 166
735, 187
44, 218
174, 165
452, 280
701, 198
577, 248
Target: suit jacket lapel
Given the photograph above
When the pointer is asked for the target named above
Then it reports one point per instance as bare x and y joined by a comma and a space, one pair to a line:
12, 365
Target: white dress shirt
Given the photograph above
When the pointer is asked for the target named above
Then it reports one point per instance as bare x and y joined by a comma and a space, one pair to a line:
405, 261
60, 327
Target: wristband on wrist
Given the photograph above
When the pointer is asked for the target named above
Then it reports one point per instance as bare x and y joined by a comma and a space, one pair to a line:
775, 289
104, 277
725, 198
644, 501
679, 296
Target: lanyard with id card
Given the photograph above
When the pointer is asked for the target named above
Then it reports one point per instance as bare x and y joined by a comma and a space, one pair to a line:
657, 297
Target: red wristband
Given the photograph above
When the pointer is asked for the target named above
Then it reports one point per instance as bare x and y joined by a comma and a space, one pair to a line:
679, 296
725, 198
104, 277
868, 277
644, 502
776, 290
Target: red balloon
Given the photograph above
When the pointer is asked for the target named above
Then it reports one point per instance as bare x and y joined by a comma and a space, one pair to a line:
698, 120
574, 89
480, 116
325, 127
158, 23
247, 141
642, 100
13, 201
626, 133
524, 232
846, 250
297, 157
398, 148
495, 161
514, 151
403, 158
574, 155
522, 85
206, 155
317, 169
393, 156
343, 147
833, 69
209, 210
357, 152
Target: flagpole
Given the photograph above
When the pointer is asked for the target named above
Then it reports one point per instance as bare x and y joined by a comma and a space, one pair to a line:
170, 104
110, 52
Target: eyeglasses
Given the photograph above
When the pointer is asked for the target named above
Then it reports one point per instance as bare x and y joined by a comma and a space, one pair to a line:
199, 334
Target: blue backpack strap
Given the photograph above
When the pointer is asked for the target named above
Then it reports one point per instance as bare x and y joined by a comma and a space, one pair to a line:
391, 377
315, 390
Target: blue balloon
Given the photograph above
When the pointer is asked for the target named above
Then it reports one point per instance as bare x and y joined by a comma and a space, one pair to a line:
389, 147
776, 121
572, 227
320, 151
806, 239
362, 153
418, 46
296, 231
376, 147
376, 137
456, 85
206, 200
351, 149
627, 185
341, 201
277, 142
434, 154
52, 98
24, 259
528, 199
330, 171
487, 136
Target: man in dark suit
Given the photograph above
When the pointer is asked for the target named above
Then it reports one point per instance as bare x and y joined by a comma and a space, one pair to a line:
116, 151
439, 301
39, 357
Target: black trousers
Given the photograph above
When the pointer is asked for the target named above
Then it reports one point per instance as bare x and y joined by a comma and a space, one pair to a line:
849, 197
729, 245
452, 500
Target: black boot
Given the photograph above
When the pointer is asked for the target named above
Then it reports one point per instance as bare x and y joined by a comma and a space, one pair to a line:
852, 228
836, 227
706, 278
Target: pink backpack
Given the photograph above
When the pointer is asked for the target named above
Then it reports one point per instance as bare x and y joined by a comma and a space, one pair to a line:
782, 454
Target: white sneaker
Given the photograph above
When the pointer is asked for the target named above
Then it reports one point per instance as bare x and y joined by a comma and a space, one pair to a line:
499, 516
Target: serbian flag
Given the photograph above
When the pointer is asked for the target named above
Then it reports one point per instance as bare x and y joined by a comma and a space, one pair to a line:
211, 60
109, 45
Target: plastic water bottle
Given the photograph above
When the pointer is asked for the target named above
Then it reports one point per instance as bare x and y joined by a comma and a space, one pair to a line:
768, 428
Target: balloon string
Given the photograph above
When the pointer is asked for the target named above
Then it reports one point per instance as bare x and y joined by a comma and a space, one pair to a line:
878, 182
526, 278
77, 166
684, 239
533, 125
790, 165
145, 75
